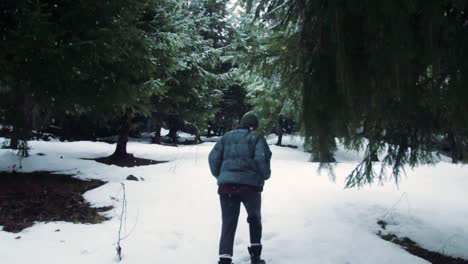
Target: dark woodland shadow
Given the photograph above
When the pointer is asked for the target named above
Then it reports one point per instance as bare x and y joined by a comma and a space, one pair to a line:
44, 197
127, 161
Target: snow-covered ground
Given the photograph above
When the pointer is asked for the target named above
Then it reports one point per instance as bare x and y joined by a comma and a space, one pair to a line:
174, 215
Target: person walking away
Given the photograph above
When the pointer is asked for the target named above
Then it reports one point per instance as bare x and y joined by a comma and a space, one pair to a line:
240, 162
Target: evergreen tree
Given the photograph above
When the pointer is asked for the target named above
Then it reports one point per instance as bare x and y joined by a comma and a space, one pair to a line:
80, 57
230, 109
274, 90
275, 104
233, 103
197, 86
150, 64
28, 47
384, 76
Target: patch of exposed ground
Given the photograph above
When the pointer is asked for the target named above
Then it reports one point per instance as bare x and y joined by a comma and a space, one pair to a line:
44, 197
127, 161
287, 146
415, 249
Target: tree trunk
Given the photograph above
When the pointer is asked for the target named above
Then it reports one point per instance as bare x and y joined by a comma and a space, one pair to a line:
23, 148
121, 149
280, 139
455, 151
279, 131
157, 134
373, 151
22, 126
173, 134
14, 139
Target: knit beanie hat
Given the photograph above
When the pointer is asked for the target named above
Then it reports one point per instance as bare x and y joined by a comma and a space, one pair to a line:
249, 120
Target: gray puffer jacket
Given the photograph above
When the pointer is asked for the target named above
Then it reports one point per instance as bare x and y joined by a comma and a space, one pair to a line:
241, 157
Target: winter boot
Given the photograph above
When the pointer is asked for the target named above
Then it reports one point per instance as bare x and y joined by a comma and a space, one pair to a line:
225, 261
255, 252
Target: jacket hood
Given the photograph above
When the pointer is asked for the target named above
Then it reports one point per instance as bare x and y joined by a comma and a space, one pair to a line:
249, 120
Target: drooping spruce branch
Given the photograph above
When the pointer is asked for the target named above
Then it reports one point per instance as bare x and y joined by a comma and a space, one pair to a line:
387, 75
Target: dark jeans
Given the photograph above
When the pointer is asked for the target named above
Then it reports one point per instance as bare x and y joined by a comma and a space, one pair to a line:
230, 208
